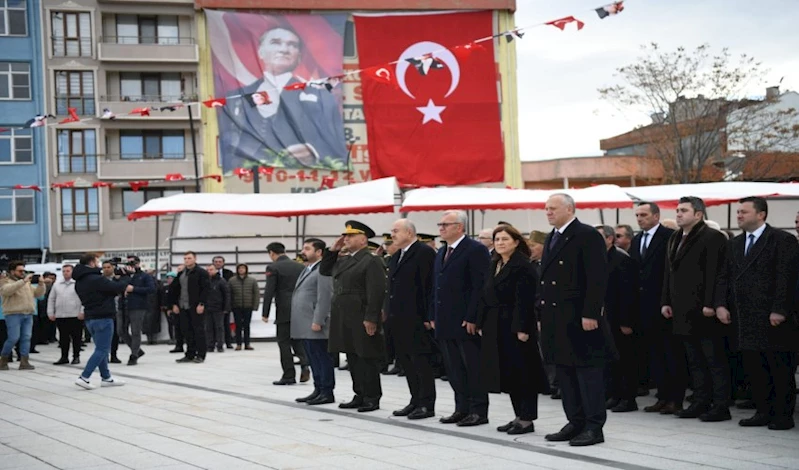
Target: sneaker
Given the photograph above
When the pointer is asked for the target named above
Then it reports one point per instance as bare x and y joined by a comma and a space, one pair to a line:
112, 382
84, 383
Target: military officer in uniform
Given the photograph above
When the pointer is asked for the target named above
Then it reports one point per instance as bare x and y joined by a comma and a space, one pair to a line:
359, 288
427, 239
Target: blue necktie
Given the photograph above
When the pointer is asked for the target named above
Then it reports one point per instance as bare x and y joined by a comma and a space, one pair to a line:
554, 239
749, 245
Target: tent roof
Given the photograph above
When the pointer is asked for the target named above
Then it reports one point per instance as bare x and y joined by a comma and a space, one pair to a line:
436, 199
362, 198
714, 194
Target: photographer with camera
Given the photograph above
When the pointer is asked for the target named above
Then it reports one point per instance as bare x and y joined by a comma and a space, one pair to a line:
133, 307
97, 294
18, 298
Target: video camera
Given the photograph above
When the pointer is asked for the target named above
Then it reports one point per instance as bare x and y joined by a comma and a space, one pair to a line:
123, 267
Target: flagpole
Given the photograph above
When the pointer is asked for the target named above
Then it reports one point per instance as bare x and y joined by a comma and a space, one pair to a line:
194, 151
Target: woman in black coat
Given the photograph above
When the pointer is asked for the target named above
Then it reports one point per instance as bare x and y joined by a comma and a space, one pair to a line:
511, 361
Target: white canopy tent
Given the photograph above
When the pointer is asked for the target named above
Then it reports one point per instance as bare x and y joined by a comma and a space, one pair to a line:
714, 194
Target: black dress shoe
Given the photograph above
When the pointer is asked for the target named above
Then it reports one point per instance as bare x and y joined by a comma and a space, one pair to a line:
759, 419
782, 424
61, 361
369, 406
356, 402
588, 437
625, 406
392, 371
506, 427
453, 418
519, 429
671, 408
321, 400
133, 360
308, 398
75, 361
566, 434
421, 413
444, 378
656, 408
185, 359
177, 349
285, 382
692, 411
115, 360
405, 411
141, 353
556, 394
746, 405
611, 402
472, 420
716, 415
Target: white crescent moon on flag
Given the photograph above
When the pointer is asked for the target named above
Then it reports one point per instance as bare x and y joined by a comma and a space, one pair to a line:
439, 52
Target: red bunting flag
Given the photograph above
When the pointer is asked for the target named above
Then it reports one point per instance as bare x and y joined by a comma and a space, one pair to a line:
215, 102
174, 177
296, 86
562, 22
66, 184
73, 116
137, 185
102, 184
464, 51
32, 186
242, 173
217, 178
327, 182
141, 111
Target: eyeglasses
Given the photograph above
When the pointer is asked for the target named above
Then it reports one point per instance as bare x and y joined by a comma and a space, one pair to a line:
447, 224
619, 235
484, 238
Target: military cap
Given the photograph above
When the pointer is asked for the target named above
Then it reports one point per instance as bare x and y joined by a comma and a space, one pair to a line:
424, 237
538, 237
387, 239
373, 246
353, 227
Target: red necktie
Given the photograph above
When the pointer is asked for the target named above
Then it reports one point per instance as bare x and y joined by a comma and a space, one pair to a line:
448, 253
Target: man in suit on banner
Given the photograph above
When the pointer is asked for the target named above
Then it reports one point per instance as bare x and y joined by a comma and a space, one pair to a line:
298, 128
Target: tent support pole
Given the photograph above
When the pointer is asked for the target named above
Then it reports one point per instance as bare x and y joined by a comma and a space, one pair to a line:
601, 217
297, 247
304, 226
157, 238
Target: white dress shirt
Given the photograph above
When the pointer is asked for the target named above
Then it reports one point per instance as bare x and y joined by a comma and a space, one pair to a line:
757, 233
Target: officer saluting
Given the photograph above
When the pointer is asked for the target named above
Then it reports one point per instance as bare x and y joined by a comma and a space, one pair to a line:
359, 287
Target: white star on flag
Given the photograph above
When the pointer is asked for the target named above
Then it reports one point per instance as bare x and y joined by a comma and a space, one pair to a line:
431, 112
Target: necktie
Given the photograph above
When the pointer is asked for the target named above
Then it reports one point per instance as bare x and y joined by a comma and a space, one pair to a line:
448, 253
749, 245
402, 253
554, 239
643, 244
682, 240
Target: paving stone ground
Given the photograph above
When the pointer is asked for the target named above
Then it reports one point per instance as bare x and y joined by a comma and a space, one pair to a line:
226, 414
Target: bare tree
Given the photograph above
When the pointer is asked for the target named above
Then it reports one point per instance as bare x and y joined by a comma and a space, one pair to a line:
697, 102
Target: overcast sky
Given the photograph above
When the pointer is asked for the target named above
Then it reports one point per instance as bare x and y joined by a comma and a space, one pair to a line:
560, 114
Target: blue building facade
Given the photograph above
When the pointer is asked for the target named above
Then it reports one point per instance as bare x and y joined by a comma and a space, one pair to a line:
23, 212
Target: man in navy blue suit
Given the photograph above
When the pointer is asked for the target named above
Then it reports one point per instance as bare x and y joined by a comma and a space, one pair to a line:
459, 273
300, 128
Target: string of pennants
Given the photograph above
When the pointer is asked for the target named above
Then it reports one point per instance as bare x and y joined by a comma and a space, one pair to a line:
134, 185
423, 64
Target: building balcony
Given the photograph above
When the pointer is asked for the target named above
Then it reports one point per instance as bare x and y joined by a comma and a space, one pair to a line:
139, 49
142, 167
166, 107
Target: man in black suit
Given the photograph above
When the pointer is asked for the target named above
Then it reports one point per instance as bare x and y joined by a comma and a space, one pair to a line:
757, 292
662, 356
621, 311
410, 285
695, 258
459, 274
573, 337
298, 128
281, 278
189, 293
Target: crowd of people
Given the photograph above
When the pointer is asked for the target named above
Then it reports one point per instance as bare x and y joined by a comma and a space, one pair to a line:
592, 315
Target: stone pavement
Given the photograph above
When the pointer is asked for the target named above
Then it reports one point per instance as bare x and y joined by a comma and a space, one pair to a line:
226, 414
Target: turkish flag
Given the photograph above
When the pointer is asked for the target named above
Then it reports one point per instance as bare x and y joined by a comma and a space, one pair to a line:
440, 126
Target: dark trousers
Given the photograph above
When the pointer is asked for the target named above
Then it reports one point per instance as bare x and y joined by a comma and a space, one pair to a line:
4, 332
388, 335
324, 378
668, 366
462, 357
286, 346
214, 328
583, 393
175, 329
243, 317
129, 326
193, 326
365, 373
771, 374
114, 339
710, 370
35, 332
419, 374
228, 333
624, 372
69, 331
525, 405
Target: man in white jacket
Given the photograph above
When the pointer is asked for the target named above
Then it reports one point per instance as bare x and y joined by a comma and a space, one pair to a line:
65, 309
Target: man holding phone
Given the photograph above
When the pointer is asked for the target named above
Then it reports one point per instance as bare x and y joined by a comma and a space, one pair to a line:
18, 298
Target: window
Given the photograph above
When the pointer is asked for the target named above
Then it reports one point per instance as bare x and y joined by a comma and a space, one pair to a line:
16, 147
13, 18
16, 207
15, 80
151, 145
76, 151
75, 90
137, 29
72, 34
79, 210
150, 86
132, 200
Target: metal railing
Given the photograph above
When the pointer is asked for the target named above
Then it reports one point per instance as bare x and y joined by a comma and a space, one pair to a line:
84, 106
147, 40
77, 164
146, 98
128, 157
71, 47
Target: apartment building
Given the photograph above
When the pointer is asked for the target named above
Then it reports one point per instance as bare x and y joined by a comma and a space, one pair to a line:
117, 55
23, 212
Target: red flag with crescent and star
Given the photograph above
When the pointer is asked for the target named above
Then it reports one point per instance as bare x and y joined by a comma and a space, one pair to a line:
439, 125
